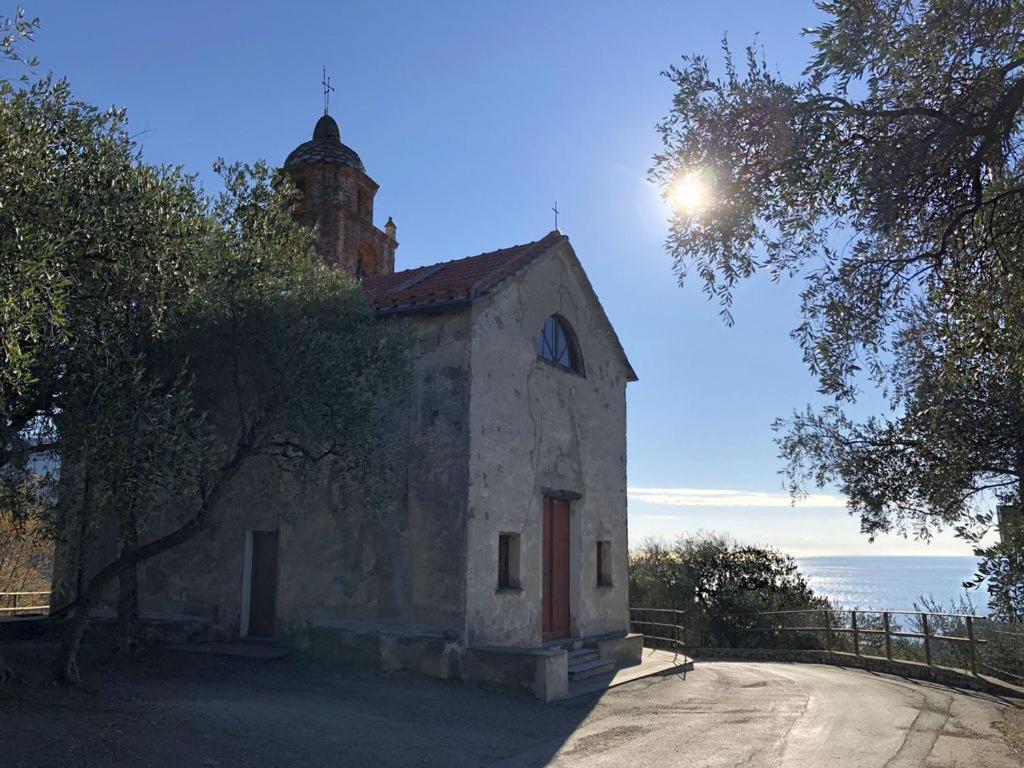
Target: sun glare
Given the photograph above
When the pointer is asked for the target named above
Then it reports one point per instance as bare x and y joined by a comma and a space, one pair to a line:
691, 193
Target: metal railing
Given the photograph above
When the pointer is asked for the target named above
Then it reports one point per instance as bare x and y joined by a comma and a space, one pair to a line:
14, 598
961, 641
975, 644
663, 625
861, 631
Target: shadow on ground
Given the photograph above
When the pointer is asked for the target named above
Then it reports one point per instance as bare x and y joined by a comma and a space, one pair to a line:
173, 709
177, 709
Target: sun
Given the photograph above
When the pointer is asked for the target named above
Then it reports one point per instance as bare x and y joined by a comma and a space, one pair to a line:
691, 193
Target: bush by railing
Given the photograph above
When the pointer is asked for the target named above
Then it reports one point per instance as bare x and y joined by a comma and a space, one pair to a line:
1003, 654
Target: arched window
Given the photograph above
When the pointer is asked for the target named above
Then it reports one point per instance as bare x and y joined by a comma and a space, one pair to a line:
557, 345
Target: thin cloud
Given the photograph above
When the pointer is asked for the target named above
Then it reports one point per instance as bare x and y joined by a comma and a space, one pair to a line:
710, 497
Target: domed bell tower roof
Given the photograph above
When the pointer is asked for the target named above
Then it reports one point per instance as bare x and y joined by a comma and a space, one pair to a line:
324, 148
335, 199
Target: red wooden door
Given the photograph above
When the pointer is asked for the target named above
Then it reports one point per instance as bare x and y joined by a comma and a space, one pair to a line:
556, 569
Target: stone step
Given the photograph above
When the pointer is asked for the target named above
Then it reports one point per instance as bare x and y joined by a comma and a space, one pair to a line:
582, 654
263, 650
565, 643
653, 663
591, 668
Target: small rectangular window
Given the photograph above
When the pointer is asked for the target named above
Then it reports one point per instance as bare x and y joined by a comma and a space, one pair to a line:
604, 563
508, 561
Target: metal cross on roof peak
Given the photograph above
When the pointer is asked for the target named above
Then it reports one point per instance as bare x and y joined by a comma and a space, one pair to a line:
555, 209
328, 88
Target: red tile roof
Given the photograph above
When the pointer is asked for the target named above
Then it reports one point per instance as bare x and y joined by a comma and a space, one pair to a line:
452, 284
434, 287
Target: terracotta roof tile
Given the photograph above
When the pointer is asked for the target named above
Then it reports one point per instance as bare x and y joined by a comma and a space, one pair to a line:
324, 148
422, 289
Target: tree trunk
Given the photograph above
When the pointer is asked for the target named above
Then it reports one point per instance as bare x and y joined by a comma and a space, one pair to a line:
71, 638
6, 672
127, 607
71, 641
128, 587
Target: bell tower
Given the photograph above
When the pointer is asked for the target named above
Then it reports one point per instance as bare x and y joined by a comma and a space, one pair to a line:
336, 199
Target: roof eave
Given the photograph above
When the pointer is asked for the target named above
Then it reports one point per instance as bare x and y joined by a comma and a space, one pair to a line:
429, 308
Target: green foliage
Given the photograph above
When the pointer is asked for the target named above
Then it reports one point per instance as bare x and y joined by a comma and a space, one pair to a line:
717, 582
1001, 567
95, 248
1000, 650
154, 341
287, 357
129, 445
153, 338
14, 30
889, 178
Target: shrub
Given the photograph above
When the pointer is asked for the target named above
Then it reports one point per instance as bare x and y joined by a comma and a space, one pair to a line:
719, 583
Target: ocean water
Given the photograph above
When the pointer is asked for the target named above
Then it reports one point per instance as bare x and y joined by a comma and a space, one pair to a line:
891, 583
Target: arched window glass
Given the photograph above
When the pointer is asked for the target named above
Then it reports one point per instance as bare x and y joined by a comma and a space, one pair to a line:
557, 345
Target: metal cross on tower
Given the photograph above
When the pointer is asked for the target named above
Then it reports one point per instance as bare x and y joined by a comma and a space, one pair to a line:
326, 83
555, 209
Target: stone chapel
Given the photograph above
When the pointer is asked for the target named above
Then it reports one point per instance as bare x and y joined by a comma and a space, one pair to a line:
505, 559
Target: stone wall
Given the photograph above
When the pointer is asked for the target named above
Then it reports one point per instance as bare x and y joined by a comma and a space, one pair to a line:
400, 565
541, 672
337, 201
481, 406
534, 427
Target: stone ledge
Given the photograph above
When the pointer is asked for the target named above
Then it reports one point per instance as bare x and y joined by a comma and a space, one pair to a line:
391, 649
150, 629
544, 672
28, 628
652, 664
378, 628
624, 650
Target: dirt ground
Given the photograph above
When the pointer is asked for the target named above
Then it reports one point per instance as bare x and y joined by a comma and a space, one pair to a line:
174, 709
1013, 730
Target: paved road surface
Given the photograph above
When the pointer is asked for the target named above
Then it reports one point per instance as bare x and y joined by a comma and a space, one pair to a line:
800, 715
177, 710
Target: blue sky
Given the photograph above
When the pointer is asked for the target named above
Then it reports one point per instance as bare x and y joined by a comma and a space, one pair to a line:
475, 118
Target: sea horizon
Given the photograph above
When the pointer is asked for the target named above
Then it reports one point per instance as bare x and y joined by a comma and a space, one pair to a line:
893, 582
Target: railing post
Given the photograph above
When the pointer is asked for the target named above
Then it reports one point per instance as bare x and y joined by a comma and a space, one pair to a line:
927, 640
856, 634
971, 645
828, 632
888, 636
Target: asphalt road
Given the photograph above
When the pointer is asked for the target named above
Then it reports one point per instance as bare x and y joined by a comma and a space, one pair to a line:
167, 709
800, 715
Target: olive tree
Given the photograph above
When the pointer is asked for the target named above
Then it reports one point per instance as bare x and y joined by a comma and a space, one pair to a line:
156, 340
887, 178
272, 354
